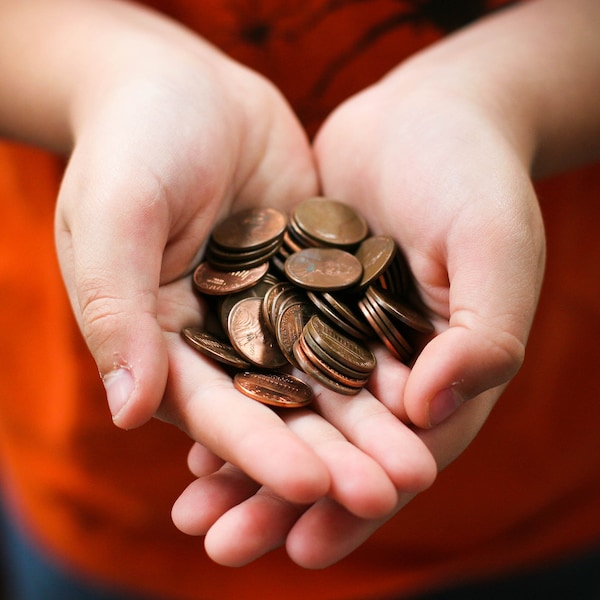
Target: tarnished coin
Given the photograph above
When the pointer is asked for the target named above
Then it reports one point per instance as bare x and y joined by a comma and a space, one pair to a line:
227, 260
329, 222
330, 313
269, 299
250, 336
376, 254
400, 310
345, 311
226, 303
250, 228
326, 367
310, 369
398, 350
289, 326
323, 269
275, 389
346, 350
391, 328
330, 359
213, 282
214, 348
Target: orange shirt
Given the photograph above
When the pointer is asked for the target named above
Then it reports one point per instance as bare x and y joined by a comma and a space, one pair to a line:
526, 491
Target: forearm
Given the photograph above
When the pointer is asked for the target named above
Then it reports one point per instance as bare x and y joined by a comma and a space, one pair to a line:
59, 59
534, 69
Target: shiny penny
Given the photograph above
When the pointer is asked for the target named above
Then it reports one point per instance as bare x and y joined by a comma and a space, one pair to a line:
376, 254
323, 269
290, 325
275, 389
400, 310
329, 370
250, 336
250, 228
310, 369
330, 222
347, 351
212, 282
214, 348
226, 303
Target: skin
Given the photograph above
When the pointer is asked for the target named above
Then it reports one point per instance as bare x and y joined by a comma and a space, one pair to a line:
446, 167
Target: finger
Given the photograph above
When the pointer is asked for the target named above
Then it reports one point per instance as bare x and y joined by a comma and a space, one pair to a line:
371, 427
327, 533
358, 482
206, 499
110, 247
494, 288
201, 399
387, 382
447, 440
202, 462
251, 529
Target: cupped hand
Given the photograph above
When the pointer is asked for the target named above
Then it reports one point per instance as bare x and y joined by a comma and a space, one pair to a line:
439, 167
170, 136
435, 165
376, 466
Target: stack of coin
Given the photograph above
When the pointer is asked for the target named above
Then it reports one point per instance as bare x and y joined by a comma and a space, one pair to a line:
333, 359
395, 323
323, 269
246, 239
308, 292
321, 222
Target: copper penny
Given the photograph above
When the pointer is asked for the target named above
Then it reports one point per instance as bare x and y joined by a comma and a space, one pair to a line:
376, 254
214, 348
290, 243
213, 282
310, 369
250, 336
226, 303
330, 222
330, 359
400, 311
346, 312
396, 350
330, 313
388, 325
290, 324
323, 269
250, 228
326, 368
346, 350
268, 300
275, 389
227, 260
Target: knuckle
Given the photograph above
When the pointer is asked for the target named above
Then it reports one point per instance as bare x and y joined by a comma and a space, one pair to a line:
100, 319
508, 354
104, 316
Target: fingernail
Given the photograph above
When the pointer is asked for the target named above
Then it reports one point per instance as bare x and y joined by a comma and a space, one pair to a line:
119, 385
443, 404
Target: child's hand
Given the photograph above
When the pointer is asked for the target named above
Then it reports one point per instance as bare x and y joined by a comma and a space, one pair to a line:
169, 137
433, 163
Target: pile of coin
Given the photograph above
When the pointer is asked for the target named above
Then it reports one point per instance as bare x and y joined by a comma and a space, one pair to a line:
310, 291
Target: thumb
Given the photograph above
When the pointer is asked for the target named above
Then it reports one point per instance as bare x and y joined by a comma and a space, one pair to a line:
494, 287
110, 234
